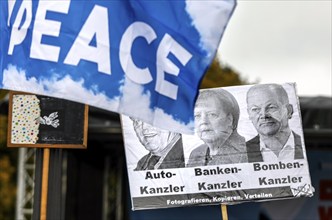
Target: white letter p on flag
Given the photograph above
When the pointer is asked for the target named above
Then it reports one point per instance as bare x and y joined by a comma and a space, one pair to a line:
19, 33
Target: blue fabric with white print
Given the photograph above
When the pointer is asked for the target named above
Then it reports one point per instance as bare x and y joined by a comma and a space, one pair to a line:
144, 59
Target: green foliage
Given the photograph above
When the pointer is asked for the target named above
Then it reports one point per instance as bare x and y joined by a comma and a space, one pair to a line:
219, 75
3, 93
8, 162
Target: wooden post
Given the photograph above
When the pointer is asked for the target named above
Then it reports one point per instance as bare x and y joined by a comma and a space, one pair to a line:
44, 189
224, 212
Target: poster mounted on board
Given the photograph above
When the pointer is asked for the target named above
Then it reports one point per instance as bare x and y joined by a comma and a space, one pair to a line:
47, 122
139, 58
248, 146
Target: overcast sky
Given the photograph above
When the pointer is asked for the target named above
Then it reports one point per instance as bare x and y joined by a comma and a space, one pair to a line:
281, 41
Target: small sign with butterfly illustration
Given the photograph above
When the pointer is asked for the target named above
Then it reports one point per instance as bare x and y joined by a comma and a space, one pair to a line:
42, 121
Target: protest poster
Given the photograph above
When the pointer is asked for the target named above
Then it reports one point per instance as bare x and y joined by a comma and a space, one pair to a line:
47, 122
248, 146
139, 58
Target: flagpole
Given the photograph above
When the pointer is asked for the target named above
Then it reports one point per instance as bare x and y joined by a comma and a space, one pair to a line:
224, 212
44, 189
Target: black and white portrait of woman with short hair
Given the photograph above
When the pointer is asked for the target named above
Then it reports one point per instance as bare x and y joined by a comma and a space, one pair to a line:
216, 120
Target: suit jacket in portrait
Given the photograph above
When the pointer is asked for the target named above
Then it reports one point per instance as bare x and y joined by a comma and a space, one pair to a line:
255, 155
173, 159
234, 151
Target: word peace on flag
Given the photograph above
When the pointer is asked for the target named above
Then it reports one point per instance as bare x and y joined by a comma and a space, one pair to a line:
144, 59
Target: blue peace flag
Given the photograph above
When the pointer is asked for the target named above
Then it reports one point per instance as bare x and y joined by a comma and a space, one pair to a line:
144, 59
